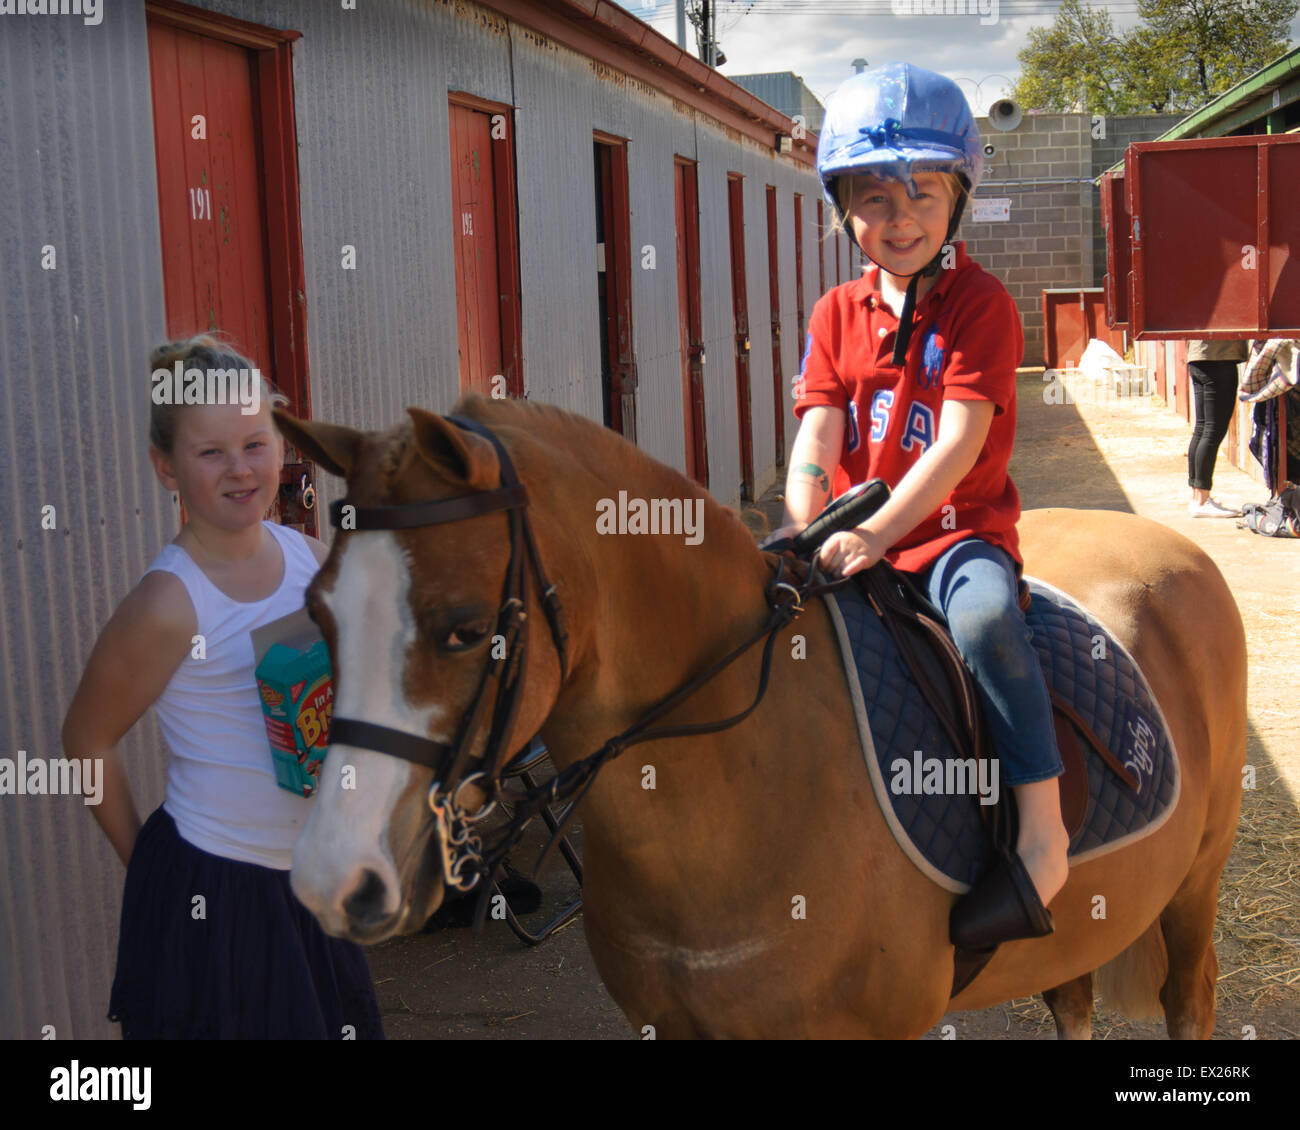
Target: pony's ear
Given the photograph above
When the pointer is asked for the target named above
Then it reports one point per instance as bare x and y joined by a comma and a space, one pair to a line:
332, 446
447, 447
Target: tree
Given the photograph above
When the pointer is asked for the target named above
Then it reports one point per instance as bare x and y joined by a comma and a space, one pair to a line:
1213, 44
1153, 74
1075, 64
1184, 53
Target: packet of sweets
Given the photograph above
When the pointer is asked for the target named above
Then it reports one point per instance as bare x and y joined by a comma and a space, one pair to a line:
296, 689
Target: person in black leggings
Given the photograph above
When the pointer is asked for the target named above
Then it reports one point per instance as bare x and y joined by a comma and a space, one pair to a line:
1212, 367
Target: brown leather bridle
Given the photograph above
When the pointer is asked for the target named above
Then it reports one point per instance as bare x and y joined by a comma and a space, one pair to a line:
465, 859
504, 671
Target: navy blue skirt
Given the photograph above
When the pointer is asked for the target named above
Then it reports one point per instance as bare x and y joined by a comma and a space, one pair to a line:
257, 966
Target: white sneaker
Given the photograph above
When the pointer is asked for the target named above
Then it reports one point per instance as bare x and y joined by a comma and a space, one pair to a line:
1211, 509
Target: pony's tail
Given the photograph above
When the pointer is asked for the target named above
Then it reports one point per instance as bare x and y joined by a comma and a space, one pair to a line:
1130, 983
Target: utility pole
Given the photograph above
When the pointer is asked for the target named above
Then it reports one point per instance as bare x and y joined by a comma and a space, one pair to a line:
681, 24
705, 19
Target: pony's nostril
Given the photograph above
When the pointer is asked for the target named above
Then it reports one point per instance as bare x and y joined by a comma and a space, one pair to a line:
367, 901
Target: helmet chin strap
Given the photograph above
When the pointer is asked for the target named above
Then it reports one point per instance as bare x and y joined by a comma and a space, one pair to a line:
904, 335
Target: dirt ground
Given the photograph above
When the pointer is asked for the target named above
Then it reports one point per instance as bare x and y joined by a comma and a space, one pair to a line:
1122, 454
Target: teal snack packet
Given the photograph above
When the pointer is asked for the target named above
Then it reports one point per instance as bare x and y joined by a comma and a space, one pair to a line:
296, 689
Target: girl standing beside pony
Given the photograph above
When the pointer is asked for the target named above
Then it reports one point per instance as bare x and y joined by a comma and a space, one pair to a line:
213, 943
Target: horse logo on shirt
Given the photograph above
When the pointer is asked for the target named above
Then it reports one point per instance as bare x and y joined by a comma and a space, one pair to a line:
931, 360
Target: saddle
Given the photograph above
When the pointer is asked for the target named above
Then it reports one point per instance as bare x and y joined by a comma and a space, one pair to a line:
936, 666
931, 657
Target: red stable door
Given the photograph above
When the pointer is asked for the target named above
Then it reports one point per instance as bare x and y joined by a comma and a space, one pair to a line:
228, 204
821, 248
740, 317
774, 305
614, 284
798, 271
484, 226
690, 323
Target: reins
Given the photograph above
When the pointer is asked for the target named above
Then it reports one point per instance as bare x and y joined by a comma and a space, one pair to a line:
787, 602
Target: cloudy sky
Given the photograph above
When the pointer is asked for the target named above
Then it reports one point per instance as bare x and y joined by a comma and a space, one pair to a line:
819, 39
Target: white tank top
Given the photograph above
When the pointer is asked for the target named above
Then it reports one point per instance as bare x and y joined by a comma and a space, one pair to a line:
221, 788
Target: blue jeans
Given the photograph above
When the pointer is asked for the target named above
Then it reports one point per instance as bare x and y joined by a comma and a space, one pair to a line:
974, 585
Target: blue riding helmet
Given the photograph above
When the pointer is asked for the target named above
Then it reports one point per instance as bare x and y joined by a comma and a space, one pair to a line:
896, 119
891, 121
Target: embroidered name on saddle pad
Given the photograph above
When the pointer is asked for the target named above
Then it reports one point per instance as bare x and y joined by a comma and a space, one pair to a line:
931, 796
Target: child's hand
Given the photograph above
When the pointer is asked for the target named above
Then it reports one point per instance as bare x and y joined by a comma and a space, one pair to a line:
787, 531
851, 551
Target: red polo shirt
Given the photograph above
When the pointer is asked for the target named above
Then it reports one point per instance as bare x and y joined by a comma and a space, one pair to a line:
966, 344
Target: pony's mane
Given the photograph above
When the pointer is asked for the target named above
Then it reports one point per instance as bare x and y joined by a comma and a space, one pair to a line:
600, 450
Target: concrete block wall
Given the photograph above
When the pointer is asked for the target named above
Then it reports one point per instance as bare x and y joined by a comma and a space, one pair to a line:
1054, 237
1042, 167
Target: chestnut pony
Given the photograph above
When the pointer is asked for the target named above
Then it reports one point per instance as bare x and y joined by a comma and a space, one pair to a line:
754, 890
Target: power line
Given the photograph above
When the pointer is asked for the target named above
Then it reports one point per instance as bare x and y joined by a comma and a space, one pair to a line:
961, 8
664, 8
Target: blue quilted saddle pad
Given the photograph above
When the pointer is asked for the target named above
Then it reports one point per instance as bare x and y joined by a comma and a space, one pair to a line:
930, 795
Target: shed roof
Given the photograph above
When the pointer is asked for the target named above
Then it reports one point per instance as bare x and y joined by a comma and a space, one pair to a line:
604, 31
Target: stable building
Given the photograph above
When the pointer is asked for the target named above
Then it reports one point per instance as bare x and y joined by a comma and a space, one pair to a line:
384, 204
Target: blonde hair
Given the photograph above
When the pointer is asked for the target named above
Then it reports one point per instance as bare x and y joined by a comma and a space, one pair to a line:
845, 183
208, 351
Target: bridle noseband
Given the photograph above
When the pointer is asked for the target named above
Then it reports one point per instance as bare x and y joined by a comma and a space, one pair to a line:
505, 669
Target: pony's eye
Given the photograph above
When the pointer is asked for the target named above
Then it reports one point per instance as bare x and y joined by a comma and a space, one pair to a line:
465, 636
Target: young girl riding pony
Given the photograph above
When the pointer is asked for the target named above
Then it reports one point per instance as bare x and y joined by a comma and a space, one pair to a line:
909, 376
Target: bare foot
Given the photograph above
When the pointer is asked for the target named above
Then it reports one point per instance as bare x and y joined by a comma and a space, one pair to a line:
1043, 843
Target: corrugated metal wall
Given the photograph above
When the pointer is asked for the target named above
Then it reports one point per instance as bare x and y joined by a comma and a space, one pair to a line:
77, 170
778, 88
562, 97
77, 175
353, 67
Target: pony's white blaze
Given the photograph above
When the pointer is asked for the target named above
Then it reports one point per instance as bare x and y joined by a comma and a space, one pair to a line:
347, 831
